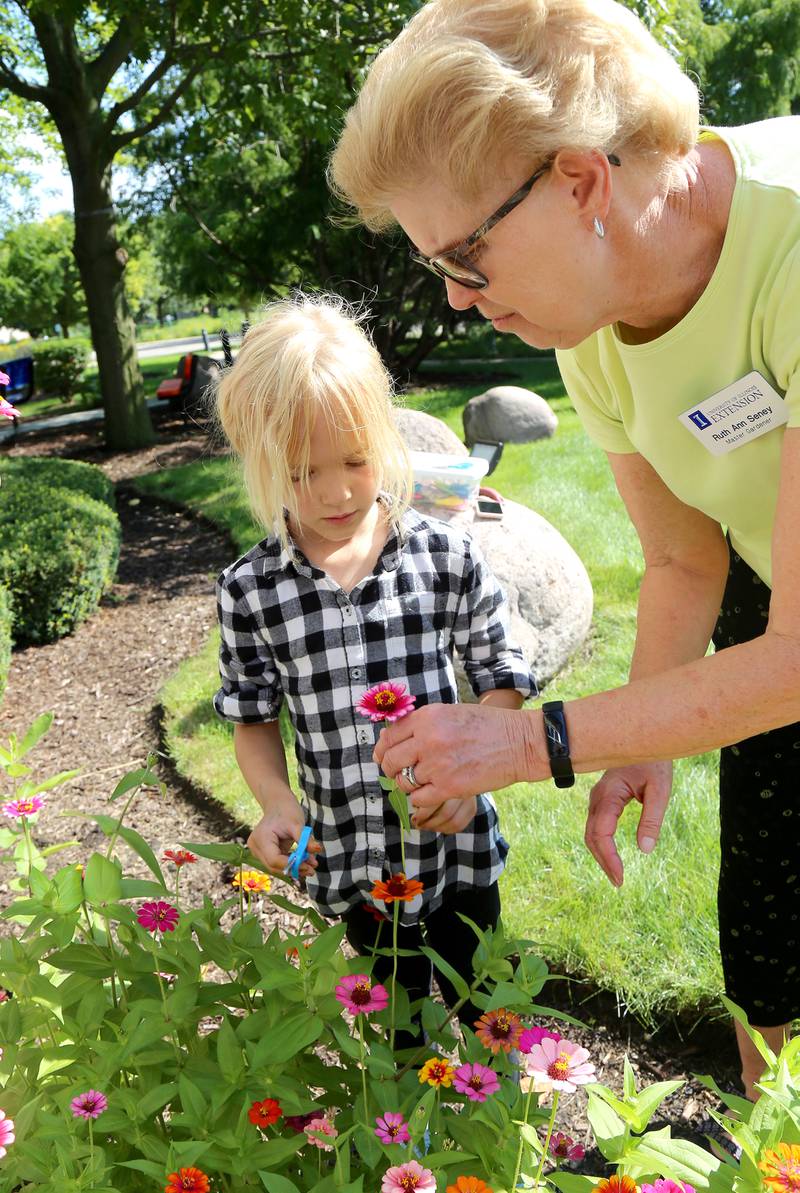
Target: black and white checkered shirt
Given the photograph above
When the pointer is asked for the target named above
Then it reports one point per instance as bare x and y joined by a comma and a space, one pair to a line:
290, 632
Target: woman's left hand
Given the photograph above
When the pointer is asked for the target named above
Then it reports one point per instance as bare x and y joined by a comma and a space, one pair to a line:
457, 751
453, 816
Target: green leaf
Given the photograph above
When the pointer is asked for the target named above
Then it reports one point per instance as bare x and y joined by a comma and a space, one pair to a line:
148, 1167
143, 777
570, 1182
759, 1041
676, 1158
608, 1127
276, 1151
112, 827
292, 1033
444, 966
102, 883
629, 1081
399, 801
35, 733
229, 1053
49, 784
649, 1101
236, 854
273, 1182
192, 1099
68, 890
151, 1102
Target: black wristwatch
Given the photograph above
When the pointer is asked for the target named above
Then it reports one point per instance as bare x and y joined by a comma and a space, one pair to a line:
555, 729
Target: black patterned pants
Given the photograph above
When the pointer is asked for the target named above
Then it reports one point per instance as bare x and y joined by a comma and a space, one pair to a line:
759, 882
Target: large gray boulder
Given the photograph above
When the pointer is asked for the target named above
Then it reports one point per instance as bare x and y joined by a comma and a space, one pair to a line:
508, 413
424, 433
548, 590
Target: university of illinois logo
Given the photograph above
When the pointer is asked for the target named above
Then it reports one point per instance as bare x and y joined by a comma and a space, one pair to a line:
700, 420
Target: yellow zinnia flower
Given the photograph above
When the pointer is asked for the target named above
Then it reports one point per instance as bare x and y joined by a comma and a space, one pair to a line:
437, 1071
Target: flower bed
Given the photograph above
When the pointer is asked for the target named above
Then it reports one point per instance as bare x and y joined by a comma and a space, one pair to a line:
152, 1044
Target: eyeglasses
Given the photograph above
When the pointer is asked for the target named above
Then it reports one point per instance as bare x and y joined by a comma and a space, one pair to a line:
453, 264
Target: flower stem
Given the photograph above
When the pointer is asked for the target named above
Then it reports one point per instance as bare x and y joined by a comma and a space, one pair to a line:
91, 1152
363, 1043
29, 851
518, 1165
550, 1126
396, 916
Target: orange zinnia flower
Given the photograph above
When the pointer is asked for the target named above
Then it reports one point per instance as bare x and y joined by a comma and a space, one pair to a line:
499, 1029
468, 1184
617, 1184
397, 889
187, 1180
781, 1167
437, 1071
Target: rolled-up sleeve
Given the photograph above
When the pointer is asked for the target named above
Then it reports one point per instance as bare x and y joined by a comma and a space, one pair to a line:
250, 690
481, 634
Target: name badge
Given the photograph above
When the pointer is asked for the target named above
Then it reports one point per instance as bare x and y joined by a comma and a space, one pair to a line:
738, 414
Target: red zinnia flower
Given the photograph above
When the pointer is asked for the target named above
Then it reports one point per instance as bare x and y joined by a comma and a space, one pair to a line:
386, 702
397, 889
179, 857
187, 1180
264, 1114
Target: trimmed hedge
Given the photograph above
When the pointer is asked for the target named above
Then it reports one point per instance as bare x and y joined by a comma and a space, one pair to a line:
5, 639
59, 544
59, 366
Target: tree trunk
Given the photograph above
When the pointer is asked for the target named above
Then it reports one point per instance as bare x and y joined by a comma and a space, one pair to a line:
101, 260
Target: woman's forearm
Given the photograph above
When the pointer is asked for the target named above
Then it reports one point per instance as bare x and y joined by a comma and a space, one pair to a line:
677, 612
262, 761
699, 706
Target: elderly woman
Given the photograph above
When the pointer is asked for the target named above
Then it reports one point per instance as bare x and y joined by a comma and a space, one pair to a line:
544, 157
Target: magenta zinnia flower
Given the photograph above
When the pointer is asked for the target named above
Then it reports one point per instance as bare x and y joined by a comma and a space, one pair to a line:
564, 1148
408, 1178
476, 1081
392, 1128
5, 407
89, 1105
386, 702
559, 1064
158, 916
7, 1135
358, 995
4, 378
535, 1035
665, 1185
24, 807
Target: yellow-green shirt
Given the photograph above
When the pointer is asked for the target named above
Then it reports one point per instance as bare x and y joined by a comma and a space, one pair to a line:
629, 397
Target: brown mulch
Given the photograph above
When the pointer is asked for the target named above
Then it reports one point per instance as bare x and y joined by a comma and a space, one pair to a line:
102, 685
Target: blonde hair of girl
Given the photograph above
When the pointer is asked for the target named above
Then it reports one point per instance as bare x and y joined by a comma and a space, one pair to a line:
309, 354
470, 85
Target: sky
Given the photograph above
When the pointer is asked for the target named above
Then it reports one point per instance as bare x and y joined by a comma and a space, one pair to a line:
52, 190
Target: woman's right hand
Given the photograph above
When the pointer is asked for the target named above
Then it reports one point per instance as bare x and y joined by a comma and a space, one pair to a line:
651, 784
272, 838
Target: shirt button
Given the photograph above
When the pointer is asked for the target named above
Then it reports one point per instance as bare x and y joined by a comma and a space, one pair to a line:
356, 673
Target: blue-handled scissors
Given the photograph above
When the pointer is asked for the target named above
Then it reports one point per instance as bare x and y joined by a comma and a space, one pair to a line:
299, 855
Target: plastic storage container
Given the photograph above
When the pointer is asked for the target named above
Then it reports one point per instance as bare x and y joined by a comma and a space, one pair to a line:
446, 486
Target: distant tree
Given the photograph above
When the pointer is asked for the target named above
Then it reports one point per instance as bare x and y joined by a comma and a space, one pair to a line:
98, 79
41, 286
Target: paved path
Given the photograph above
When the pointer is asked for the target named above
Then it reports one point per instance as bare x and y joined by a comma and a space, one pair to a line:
55, 422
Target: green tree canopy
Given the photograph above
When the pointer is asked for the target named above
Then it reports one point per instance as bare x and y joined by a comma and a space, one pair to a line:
41, 285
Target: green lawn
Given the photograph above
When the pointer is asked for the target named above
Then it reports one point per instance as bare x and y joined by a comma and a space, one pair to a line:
653, 941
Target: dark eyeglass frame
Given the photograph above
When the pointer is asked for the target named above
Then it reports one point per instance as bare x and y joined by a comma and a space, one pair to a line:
464, 273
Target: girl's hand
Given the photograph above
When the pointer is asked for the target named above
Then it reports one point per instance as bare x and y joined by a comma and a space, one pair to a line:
272, 838
651, 784
453, 816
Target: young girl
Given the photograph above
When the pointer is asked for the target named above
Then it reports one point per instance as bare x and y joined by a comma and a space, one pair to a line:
350, 588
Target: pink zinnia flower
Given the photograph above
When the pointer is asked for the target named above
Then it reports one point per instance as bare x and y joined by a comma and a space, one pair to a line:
89, 1105
559, 1064
535, 1035
392, 1128
408, 1178
665, 1185
23, 807
7, 1135
4, 378
476, 1081
564, 1148
386, 702
357, 995
5, 407
322, 1126
158, 916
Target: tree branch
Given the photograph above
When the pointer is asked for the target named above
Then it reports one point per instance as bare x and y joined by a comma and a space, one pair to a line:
35, 92
102, 69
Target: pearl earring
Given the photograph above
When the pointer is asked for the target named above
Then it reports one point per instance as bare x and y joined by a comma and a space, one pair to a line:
599, 227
